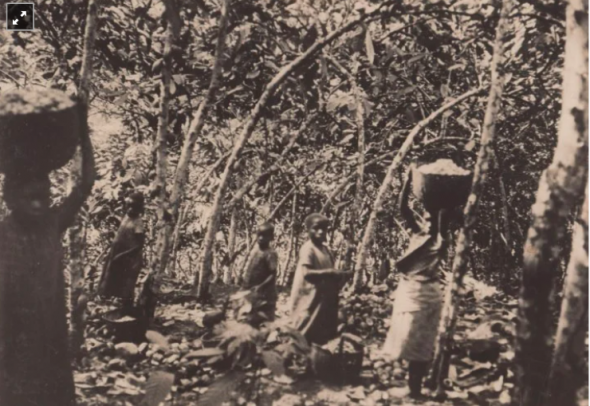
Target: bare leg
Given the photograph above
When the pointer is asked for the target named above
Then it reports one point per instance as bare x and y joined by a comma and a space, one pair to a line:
416, 372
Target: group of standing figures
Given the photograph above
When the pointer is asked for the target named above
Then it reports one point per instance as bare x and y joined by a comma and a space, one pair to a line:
316, 284
34, 361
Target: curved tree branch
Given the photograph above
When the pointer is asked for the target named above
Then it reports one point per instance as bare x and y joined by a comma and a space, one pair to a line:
401, 154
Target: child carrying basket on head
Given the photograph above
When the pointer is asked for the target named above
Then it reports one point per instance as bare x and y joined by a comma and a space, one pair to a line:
418, 302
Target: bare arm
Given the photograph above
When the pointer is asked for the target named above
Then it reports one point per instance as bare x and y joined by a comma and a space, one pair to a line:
72, 204
407, 213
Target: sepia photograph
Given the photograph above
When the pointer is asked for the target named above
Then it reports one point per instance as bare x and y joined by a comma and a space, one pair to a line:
294, 202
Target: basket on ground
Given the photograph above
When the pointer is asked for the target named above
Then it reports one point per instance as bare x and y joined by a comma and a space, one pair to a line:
441, 185
126, 325
39, 129
337, 367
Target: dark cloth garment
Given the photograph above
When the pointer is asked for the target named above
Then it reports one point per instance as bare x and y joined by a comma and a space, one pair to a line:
124, 261
35, 366
314, 305
261, 276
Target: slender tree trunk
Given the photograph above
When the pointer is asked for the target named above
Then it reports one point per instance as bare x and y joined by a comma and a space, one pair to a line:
75, 235
231, 245
481, 172
172, 207
202, 281
358, 199
360, 171
561, 188
568, 358
385, 185
176, 235
164, 220
283, 278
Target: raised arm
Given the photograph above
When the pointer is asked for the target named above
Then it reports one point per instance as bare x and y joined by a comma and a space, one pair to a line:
405, 210
72, 204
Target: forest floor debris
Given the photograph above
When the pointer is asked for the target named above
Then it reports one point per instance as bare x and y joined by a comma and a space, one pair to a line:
481, 370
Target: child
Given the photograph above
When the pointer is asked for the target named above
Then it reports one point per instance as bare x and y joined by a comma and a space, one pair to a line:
124, 261
316, 285
261, 274
34, 363
418, 302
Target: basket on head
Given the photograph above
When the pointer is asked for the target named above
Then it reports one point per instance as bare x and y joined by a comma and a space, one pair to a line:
39, 128
441, 185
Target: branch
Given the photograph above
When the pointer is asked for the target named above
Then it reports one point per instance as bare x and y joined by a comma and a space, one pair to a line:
246, 188
202, 281
401, 154
199, 118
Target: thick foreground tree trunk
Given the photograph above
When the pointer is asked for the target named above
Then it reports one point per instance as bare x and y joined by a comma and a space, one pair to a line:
202, 280
76, 233
561, 188
567, 369
361, 257
480, 174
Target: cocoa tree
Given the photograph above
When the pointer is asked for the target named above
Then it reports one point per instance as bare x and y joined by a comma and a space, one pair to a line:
76, 233
362, 251
567, 366
560, 189
203, 277
480, 175
182, 168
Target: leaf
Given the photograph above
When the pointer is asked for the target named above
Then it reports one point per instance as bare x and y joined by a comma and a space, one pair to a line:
205, 353
369, 47
220, 391
156, 338
470, 145
178, 79
157, 388
274, 362
498, 384
172, 88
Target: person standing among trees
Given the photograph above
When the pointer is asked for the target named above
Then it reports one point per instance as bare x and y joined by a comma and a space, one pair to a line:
261, 274
125, 258
35, 365
316, 285
418, 302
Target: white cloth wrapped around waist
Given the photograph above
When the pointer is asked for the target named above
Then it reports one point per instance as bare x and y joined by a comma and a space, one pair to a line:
415, 295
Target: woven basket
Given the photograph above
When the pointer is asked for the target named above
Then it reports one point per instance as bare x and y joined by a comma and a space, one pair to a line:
436, 191
339, 368
39, 130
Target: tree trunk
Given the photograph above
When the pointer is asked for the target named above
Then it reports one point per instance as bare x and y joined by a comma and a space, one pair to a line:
568, 357
358, 198
284, 276
76, 239
172, 207
176, 235
231, 245
164, 220
560, 189
384, 188
360, 171
202, 280
481, 172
